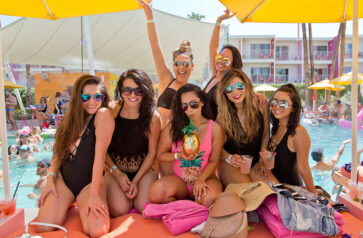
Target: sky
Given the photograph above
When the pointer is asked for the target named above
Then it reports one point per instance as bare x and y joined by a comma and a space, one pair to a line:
211, 9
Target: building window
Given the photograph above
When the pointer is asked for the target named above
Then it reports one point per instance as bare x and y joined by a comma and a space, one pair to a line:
282, 52
320, 74
261, 51
320, 52
261, 75
348, 51
282, 75
347, 70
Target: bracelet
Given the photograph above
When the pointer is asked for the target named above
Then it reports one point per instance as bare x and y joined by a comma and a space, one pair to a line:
176, 156
229, 159
150, 21
218, 24
113, 168
52, 173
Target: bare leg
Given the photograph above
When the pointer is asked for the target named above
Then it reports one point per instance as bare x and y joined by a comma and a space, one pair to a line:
166, 168
54, 209
14, 126
144, 187
230, 174
118, 203
257, 177
216, 188
93, 226
168, 189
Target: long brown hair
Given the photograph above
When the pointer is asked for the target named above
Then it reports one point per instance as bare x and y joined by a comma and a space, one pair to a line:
74, 120
228, 111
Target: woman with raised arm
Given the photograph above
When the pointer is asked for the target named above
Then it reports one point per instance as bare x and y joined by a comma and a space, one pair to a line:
193, 176
247, 129
182, 66
133, 146
229, 57
290, 140
80, 148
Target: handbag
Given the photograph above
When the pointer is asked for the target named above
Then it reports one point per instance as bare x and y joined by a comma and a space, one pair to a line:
226, 218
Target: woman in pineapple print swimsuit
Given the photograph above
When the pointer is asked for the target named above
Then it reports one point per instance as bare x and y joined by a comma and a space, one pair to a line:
194, 176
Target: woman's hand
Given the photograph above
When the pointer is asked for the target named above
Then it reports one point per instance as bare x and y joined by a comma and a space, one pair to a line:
200, 189
261, 170
236, 161
96, 205
48, 189
131, 194
124, 181
227, 14
181, 155
147, 8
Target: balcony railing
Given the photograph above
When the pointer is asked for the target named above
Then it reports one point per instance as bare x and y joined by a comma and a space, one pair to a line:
285, 56
282, 79
348, 55
259, 54
323, 55
262, 78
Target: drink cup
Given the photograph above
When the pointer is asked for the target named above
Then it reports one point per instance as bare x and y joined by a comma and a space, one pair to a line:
269, 160
353, 190
7, 207
247, 161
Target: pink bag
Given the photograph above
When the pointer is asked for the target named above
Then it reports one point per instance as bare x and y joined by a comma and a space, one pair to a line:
179, 216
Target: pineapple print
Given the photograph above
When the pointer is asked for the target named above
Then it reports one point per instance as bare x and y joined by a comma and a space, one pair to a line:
190, 141
192, 168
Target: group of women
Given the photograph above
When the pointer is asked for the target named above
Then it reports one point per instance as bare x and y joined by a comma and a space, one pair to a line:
112, 156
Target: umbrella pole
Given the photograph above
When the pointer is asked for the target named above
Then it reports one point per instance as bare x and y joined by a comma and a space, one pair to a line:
3, 132
355, 92
89, 46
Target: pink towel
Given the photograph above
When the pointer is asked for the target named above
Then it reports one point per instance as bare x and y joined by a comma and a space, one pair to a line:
179, 216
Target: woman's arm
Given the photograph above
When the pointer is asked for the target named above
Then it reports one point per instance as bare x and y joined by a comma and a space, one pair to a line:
155, 128
163, 150
265, 110
164, 74
301, 141
104, 124
214, 41
55, 104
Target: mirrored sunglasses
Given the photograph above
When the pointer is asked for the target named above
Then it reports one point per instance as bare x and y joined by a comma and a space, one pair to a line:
184, 63
192, 104
226, 61
239, 86
127, 91
282, 103
86, 97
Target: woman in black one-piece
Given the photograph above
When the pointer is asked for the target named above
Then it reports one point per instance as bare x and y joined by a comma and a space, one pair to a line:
290, 140
133, 145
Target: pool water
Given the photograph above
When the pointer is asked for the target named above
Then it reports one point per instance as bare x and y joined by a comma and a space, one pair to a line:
330, 137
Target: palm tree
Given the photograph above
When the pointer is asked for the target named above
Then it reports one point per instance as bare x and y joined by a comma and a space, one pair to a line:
195, 16
342, 53
28, 98
306, 69
312, 68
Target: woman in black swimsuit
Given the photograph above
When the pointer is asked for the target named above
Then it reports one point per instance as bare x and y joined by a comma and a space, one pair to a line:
182, 66
43, 109
290, 140
229, 57
80, 147
133, 146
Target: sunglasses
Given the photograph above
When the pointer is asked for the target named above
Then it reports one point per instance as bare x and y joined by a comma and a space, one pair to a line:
226, 61
239, 86
184, 63
127, 91
86, 97
192, 104
282, 103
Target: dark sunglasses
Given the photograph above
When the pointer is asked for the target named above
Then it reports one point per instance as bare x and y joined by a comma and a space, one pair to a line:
86, 97
192, 104
226, 61
239, 86
127, 91
282, 103
184, 63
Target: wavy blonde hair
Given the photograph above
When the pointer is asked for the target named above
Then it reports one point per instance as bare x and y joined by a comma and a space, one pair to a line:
185, 48
228, 111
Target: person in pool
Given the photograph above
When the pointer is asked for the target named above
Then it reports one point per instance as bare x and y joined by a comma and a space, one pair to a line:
10, 104
182, 66
289, 140
133, 145
76, 170
42, 172
193, 176
318, 157
324, 110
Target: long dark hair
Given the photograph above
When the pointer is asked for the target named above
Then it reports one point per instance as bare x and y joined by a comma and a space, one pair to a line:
74, 120
178, 117
237, 60
147, 103
294, 117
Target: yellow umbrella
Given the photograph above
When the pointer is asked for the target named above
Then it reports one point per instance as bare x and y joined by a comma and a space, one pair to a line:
346, 79
296, 11
325, 84
264, 88
57, 9
11, 85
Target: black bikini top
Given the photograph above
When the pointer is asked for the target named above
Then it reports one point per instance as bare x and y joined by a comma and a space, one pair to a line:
166, 97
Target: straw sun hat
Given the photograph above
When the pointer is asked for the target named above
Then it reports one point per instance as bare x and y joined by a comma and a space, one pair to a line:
253, 194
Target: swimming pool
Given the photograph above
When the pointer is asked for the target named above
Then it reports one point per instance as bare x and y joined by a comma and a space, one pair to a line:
329, 137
